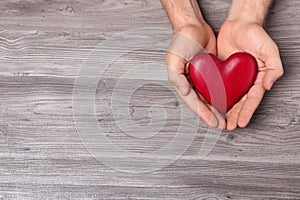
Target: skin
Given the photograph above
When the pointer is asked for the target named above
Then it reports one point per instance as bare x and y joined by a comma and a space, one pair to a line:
242, 31
187, 19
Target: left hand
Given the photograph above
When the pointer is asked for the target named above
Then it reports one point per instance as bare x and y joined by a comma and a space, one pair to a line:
242, 36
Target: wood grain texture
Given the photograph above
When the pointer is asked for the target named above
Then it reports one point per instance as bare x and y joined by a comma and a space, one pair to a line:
43, 44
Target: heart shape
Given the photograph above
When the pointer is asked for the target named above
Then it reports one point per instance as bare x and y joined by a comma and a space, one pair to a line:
223, 83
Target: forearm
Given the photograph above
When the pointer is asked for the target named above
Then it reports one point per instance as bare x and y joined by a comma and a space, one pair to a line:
249, 10
183, 12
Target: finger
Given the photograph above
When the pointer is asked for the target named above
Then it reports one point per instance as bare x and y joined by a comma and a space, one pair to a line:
274, 68
253, 100
176, 70
211, 46
233, 115
220, 117
179, 81
192, 100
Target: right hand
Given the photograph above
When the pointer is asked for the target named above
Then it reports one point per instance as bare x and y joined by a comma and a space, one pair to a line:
178, 70
247, 36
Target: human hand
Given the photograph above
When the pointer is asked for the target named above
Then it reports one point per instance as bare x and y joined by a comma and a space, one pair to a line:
177, 64
242, 35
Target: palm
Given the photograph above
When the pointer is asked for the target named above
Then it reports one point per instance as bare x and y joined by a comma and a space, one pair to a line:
251, 38
178, 70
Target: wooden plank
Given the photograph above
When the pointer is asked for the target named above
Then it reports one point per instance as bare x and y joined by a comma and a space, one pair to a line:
42, 47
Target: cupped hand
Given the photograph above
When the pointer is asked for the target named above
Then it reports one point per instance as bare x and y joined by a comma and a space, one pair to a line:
242, 36
178, 71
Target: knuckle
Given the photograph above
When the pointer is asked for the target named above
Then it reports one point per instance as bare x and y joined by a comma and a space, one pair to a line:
276, 47
171, 79
281, 72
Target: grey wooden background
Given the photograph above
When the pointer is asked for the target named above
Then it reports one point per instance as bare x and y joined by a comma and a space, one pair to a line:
42, 46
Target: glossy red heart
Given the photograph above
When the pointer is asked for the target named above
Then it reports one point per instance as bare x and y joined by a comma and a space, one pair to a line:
223, 83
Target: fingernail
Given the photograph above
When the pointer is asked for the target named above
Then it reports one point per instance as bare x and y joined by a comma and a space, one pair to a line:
214, 123
183, 90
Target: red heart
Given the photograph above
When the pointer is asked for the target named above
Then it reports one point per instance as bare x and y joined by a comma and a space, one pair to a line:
223, 83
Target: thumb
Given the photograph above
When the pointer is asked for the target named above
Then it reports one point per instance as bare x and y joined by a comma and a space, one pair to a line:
179, 81
274, 70
176, 69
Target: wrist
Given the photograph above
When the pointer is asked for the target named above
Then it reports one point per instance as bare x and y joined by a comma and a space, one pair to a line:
252, 11
183, 13
183, 23
199, 25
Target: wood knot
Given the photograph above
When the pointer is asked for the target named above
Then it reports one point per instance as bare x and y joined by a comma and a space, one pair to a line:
3, 127
70, 9
176, 103
67, 10
231, 137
